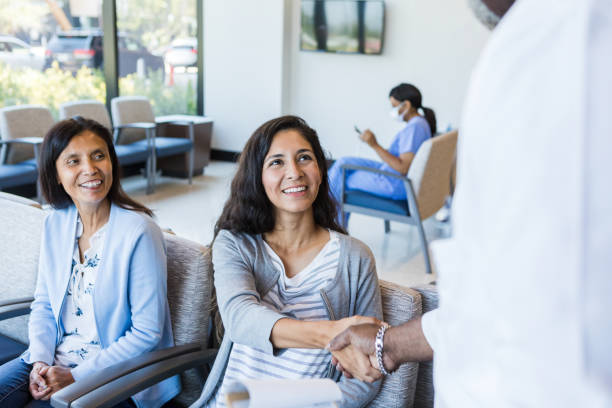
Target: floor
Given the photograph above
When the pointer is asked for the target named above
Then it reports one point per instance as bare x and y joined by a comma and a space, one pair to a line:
191, 211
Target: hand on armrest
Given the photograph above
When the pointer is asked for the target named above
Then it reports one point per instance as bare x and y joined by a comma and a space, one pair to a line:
65, 396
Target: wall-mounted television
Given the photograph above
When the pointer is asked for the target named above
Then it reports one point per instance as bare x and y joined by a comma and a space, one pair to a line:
346, 26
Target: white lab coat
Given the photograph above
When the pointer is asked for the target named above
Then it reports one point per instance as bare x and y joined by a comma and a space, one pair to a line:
525, 282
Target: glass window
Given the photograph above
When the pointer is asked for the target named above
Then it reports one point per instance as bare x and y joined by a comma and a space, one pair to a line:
53, 59
158, 53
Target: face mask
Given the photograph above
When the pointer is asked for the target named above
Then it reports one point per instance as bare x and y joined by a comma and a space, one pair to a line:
395, 113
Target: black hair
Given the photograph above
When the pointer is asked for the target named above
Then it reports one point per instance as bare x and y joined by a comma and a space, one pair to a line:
248, 208
408, 92
54, 143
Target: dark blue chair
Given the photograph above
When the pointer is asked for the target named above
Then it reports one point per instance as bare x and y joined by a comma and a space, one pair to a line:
136, 112
427, 186
22, 173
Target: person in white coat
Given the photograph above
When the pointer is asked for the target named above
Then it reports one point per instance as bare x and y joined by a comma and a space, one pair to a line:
525, 280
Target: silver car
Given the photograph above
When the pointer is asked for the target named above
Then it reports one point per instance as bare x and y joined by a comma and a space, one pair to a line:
18, 54
183, 52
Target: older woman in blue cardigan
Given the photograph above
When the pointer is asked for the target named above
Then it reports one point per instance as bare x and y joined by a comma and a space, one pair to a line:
101, 290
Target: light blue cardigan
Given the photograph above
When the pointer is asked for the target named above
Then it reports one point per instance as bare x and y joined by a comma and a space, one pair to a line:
130, 302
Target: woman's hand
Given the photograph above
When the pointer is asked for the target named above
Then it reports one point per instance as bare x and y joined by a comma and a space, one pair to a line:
351, 360
57, 378
368, 137
38, 386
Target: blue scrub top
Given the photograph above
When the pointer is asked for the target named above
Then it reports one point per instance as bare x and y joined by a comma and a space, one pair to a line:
409, 139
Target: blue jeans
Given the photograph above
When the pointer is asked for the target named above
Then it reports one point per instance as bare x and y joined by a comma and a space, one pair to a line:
14, 387
373, 183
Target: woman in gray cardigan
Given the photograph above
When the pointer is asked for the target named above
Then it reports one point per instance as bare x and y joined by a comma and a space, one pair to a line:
287, 277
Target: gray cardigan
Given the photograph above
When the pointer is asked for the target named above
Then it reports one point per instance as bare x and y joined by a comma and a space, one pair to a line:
243, 276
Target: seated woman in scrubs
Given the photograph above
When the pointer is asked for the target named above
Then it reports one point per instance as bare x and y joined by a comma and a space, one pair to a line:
420, 126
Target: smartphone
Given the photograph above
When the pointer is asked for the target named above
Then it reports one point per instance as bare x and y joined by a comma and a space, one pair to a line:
357, 129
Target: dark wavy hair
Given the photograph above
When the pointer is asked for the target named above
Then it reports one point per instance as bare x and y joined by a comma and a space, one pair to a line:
54, 143
248, 208
408, 92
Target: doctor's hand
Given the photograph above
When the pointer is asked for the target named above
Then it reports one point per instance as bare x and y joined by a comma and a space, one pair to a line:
57, 377
38, 386
363, 338
368, 137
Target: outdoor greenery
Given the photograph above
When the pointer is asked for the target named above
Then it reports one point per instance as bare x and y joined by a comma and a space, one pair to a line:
55, 86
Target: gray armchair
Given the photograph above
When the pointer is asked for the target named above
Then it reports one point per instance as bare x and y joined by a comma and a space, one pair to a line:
22, 129
132, 113
427, 185
21, 220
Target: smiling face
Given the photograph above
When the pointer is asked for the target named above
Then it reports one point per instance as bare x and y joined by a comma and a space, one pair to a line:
290, 174
85, 170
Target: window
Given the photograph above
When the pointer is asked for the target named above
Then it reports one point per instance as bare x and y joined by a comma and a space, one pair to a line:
158, 53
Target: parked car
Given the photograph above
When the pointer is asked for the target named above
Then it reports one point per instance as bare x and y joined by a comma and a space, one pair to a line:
73, 49
183, 52
18, 54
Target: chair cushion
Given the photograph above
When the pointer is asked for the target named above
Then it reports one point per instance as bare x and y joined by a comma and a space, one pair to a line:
9, 349
132, 153
168, 146
190, 286
16, 175
400, 304
363, 199
20, 232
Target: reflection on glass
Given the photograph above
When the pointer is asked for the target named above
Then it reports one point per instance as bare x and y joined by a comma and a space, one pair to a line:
158, 53
352, 26
49, 54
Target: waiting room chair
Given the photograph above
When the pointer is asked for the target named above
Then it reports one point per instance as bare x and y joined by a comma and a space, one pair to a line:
127, 110
427, 186
130, 153
22, 129
21, 220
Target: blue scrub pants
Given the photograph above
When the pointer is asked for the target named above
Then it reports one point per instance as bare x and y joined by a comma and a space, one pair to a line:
14, 387
372, 183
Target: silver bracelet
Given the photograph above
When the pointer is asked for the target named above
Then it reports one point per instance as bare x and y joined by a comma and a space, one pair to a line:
378, 345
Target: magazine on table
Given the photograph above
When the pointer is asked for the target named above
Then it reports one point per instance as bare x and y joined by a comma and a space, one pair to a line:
307, 393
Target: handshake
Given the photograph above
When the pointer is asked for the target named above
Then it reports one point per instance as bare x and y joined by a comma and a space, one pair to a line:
354, 348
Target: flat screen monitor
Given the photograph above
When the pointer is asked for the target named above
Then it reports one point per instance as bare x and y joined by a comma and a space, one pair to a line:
347, 26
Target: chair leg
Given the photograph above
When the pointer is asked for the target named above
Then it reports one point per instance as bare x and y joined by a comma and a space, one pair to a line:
424, 246
387, 226
191, 160
152, 164
148, 175
191, 152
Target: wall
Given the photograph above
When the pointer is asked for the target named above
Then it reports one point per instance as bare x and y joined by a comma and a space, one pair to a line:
243, 62
254, 70
432, 44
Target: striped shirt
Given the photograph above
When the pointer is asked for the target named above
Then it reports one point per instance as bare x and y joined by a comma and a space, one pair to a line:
299, 298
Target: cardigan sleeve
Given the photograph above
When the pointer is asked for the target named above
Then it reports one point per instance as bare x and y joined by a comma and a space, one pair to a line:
245, 319
356, 393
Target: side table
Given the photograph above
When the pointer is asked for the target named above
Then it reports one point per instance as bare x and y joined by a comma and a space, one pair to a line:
202, 134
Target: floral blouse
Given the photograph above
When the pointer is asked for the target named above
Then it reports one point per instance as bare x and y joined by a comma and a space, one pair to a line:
80, 340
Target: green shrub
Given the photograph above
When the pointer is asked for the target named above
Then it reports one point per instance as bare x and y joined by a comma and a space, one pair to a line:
55, 86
